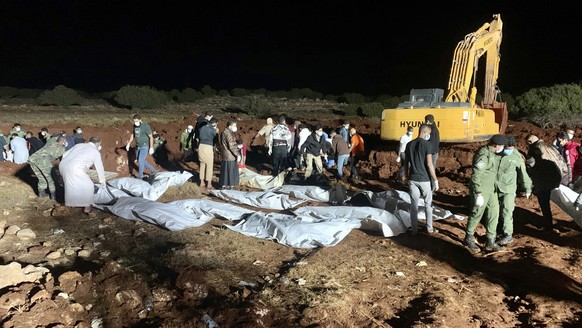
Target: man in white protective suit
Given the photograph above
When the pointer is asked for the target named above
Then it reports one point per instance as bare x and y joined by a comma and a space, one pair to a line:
79, 188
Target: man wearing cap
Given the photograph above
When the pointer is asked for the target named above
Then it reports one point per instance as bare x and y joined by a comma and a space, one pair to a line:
512, 172
186, 142
404, 140
435, 138
547, 170
483, 192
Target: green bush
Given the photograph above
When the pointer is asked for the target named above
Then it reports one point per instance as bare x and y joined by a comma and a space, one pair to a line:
60, 96
373, 109
208, 91
351, 109
240, 92
560, 99
189, 95
257, 106
352, 98
140, 97
390, 101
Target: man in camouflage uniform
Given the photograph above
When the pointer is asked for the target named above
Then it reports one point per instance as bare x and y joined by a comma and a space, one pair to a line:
512, 172
41, 163
483, 192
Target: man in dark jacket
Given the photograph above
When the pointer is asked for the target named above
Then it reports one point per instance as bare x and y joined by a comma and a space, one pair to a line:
547, 170
435, 138
34, 143
313, 150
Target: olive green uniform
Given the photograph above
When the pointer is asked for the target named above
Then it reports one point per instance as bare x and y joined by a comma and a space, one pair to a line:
512, 171
483, 181
41, 163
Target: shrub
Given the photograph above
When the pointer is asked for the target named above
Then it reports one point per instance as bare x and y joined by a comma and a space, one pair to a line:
558, 99
351, 110
189, 95
352, 98
373, 109
140, 97
208, 91
240, 92
60, 96
257, 106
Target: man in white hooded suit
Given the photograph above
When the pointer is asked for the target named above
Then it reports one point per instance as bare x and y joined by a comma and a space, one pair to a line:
79, 188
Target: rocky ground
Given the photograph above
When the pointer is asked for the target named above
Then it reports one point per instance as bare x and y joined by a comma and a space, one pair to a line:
61, 268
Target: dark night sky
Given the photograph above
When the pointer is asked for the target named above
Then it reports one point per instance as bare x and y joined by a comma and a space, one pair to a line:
381, 47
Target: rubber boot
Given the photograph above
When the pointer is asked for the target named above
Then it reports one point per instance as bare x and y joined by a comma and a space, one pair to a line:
506, 240
492, 245
470, 242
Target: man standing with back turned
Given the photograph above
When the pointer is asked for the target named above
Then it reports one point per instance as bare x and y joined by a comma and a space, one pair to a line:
435, 138
421, 176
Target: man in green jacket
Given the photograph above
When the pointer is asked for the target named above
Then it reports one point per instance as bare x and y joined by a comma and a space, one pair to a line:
512, 171
41, 163
483, 192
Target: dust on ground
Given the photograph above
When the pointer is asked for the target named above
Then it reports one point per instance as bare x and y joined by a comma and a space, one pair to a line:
121, 273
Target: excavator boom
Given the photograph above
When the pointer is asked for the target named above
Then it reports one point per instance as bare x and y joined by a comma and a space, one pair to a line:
459, 118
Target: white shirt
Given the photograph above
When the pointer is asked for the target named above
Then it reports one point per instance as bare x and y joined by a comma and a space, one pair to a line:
19, 147
403, 141
303, 134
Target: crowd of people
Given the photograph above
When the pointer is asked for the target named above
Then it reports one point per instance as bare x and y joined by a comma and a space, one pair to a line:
499, 170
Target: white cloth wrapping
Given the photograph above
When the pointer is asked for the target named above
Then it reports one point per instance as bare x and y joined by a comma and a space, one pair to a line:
397, 200
159, 184
255, 180
261, 199
372, 219
304, 192
565, 197
292, 231
73, 167
176, 215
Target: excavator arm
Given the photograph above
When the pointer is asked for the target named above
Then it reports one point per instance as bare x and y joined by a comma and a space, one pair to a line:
486, 40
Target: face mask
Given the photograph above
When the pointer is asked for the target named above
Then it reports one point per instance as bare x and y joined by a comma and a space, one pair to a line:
570, 136
507, 152
189, 130
233, 129
17, 129
79, 131
408, 133
99, 148
137, 123
498, 150
319, 133
43, 133
427, 137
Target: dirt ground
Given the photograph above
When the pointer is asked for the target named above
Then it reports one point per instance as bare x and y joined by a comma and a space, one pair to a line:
111, 272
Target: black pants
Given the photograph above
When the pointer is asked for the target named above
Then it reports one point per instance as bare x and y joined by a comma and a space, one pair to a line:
544, 201
353, 167
279, 159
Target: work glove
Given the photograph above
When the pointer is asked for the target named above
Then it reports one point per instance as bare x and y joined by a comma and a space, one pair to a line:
480, 200
398, 159
127, 146
238, 159
151, 150
270, 152
435, 185
527, 195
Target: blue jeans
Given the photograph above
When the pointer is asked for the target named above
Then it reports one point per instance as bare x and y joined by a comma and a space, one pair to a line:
341, 159
141, 154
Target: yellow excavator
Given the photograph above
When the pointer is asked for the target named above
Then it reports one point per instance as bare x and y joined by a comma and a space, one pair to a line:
458, 118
